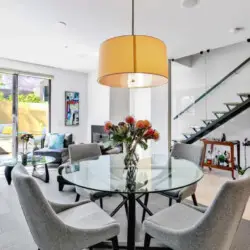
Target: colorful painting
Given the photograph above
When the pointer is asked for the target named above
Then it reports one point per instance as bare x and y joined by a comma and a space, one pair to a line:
72, 108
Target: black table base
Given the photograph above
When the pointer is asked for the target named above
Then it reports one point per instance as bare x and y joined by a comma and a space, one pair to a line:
123, 245
44, 176
7, 173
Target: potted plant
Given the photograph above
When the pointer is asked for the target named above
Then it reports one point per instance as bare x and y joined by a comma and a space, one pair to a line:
25, 139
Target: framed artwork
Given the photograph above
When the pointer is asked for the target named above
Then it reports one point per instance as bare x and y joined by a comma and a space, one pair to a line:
71, 108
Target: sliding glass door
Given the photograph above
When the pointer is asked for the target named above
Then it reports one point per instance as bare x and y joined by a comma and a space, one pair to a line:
6, 106
24, 108
33, 108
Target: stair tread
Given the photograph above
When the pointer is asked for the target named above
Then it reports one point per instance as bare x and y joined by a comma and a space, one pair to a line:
232, 103
211, 120
244, 94
220, 112
196, 127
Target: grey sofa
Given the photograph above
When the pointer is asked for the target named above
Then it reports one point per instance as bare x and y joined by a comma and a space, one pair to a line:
61, 155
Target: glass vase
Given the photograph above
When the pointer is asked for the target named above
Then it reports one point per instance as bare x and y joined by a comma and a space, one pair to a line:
131, 158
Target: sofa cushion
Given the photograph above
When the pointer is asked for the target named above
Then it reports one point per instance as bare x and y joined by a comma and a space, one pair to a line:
60, 154
68, 140
56, 141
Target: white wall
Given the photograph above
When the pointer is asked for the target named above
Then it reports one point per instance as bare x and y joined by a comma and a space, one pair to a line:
119, 104
152, 104
63, 81
98, 103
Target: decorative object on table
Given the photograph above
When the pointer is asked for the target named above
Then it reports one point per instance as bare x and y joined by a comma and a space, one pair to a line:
223, 137
131, 133
133, 61
225, 160
71, 108
25, 139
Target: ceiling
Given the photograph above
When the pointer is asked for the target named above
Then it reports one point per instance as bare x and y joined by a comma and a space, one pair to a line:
30, 31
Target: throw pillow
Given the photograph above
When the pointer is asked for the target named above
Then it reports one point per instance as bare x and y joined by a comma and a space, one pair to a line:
7, 130
56, 141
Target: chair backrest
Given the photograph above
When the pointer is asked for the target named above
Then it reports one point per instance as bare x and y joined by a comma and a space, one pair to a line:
79, 152
43, 223
217, 228
187, 152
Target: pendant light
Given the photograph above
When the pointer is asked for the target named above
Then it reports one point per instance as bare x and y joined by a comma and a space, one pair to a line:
133, 61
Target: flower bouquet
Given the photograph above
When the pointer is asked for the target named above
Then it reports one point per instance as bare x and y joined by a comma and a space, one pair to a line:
131, 133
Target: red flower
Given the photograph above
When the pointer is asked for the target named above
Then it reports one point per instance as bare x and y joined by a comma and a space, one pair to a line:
140, 124
108, 126
130, 119
150, 132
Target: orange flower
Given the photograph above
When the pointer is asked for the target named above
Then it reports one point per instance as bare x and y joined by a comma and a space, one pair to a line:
140, 124
108, 126
130, 119
156, 135
147, 124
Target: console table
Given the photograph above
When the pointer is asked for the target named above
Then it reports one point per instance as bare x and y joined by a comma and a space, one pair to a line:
231, 165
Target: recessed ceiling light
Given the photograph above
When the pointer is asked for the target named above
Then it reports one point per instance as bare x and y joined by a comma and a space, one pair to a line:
189, 3
236, 30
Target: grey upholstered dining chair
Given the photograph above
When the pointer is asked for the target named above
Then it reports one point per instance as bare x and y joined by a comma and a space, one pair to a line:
187, 152
79, 152
62, 226
193, 228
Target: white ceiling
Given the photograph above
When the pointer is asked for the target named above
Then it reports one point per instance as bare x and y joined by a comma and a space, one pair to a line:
29, 29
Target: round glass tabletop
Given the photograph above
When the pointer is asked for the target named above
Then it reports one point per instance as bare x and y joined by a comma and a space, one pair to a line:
154, 174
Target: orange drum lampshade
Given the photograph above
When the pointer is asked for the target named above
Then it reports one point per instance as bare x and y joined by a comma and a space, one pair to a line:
133, 61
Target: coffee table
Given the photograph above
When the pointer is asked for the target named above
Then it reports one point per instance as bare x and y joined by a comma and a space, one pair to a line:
33, 161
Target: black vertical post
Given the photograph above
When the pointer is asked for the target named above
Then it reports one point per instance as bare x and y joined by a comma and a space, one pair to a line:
131, 222
169, 105
15, 115
49, 106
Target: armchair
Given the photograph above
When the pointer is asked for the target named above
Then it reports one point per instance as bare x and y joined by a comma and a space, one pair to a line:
62, 226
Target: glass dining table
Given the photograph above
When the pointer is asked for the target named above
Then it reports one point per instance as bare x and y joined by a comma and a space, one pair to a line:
154, 174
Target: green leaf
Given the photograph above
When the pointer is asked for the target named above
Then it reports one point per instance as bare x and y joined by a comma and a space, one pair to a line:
143, 145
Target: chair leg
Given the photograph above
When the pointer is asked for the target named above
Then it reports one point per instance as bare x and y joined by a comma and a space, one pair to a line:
170, 202
115, 243
147, 241
194, 200
101, 203
77, 197
146, 204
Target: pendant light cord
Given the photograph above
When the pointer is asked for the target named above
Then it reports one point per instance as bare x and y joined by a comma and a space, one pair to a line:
134, 39
133, 17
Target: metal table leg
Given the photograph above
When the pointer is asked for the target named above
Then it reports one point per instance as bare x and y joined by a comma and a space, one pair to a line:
131, 222
44, 176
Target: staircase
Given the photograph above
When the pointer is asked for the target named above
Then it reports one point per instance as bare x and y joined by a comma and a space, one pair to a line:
220, 117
